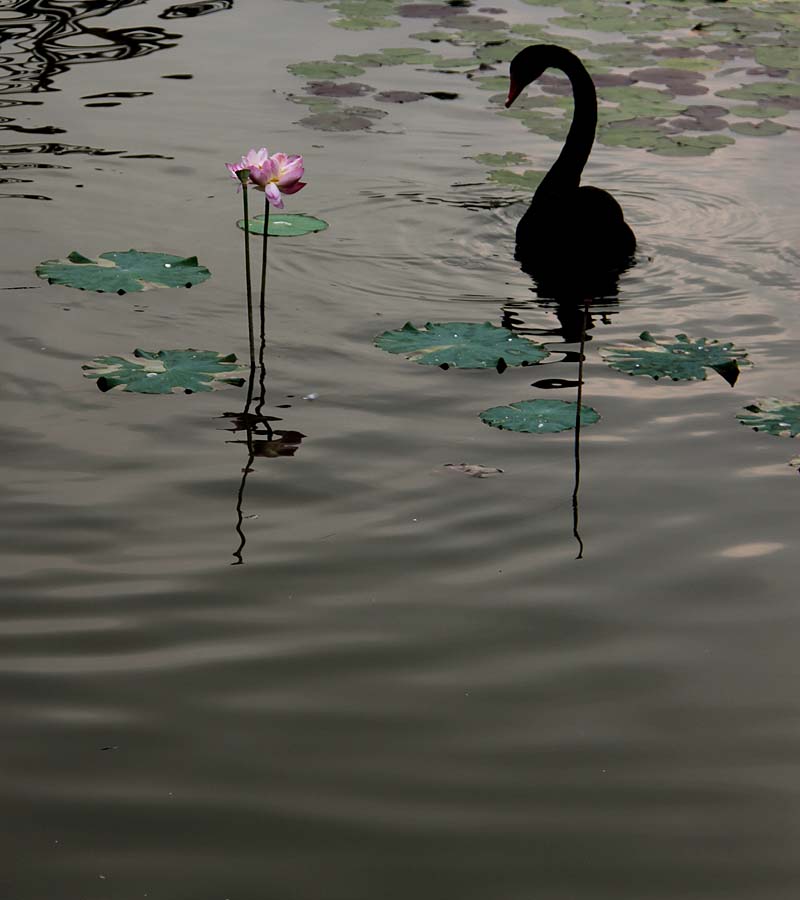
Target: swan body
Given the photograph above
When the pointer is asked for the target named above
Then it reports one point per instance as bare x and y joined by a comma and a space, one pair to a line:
569, 229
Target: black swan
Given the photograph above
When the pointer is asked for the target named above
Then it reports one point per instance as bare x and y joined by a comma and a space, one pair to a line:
569, 232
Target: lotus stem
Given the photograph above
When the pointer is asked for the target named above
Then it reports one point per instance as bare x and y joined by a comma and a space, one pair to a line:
262, 307
247, 270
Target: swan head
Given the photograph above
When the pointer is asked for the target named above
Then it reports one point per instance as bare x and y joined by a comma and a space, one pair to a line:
526, 67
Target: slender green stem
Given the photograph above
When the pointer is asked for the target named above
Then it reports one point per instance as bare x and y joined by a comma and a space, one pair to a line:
247, 276
262, 308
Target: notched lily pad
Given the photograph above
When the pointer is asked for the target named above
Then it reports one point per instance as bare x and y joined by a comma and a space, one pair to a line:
538, 416
285, 225
778, 417
123, 272
464, 345
166, 371
682, 360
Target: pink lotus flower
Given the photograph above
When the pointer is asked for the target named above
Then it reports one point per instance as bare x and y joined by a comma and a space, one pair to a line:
275, 175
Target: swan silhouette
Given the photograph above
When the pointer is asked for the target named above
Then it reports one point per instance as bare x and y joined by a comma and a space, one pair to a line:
570, 233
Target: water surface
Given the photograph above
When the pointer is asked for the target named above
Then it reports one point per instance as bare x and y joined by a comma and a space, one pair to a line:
410, 686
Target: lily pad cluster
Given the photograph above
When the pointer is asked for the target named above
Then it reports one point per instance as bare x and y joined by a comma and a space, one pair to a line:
654, 63
472, 345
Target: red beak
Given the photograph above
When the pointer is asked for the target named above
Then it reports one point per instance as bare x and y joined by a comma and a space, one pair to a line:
514, 90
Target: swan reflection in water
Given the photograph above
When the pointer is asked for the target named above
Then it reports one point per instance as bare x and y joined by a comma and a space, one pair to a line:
573, 239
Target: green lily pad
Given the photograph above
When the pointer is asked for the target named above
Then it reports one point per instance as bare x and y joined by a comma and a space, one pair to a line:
529, 179
165, 371
686, 145
123, 271
285, 225
538, 416
465, 345
778, 417
682, 360
501, 159
765, 128
762, 90
759, 112
321, 70
553, 127
779, 57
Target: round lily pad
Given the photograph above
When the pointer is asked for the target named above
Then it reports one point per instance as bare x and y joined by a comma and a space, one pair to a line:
465, 345
165, 371
765, 128
682, 360
538, 416
123, 271
285, 225
778, 417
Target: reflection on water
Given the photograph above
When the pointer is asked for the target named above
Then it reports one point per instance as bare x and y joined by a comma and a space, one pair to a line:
45, 39
42, 39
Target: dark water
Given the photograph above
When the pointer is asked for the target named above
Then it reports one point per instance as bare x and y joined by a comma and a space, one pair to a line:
410, 687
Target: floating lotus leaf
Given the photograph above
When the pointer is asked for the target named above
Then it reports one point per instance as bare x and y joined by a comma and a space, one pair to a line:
685, 145
779, 57
165, 371
682, 360
285, 225
538, 416
778, 417
492, 82
433, 37
465, 345
390, 56
763, 90
450, 64
765, 128
501, 159
621, 135
123, 271
324, 71
641, 101
529, 179
363, 15
553, 127
759, 112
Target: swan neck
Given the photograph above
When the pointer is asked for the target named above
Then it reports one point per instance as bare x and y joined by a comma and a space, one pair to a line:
565, 173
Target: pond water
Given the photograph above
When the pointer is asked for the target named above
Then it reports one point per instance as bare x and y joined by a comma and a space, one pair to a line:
356, 673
